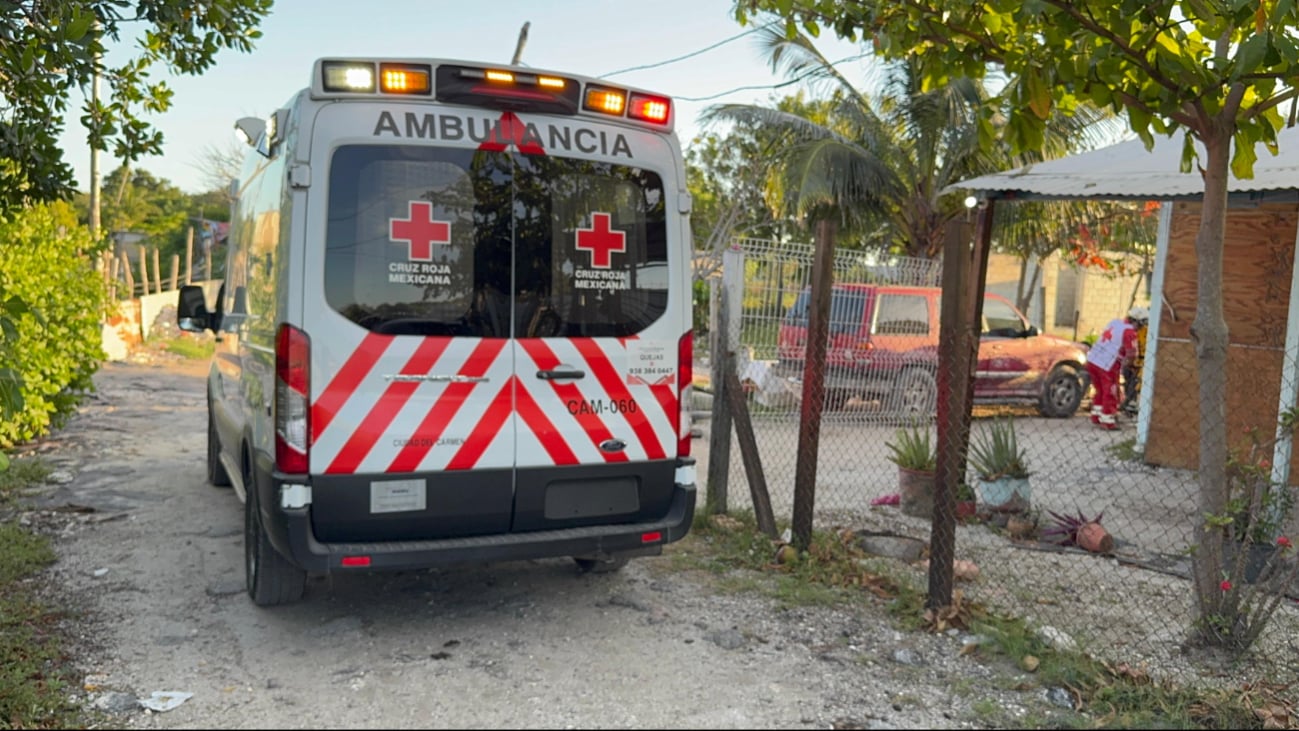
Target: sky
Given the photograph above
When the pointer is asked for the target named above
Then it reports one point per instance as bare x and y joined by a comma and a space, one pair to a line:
719, 61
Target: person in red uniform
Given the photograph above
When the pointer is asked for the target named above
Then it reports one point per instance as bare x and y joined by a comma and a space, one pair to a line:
1116, 346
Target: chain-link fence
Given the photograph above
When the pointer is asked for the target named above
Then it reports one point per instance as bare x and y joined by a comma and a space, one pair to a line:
1127, 598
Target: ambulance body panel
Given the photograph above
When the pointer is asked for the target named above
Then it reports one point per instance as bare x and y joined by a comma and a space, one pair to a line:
454, 330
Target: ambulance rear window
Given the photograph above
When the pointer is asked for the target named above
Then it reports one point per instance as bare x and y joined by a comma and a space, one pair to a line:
458, 242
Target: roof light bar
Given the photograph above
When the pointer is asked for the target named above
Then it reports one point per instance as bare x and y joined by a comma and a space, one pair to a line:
405, 79
343, 76
605, 100
649, 108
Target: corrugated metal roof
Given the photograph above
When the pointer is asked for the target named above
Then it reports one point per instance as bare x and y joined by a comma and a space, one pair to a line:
1128, 170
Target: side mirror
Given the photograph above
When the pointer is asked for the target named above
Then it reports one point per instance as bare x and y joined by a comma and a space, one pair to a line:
192, 314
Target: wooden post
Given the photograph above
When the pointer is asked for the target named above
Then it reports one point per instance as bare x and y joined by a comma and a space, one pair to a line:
130, 280
953, 380
157, 273
189, 256
752, 458
809, 431
144, 272
113, 276
175, 270
719, 436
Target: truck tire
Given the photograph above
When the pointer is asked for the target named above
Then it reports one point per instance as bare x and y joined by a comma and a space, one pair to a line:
1062, 393
914, 394
270, 579
216, 472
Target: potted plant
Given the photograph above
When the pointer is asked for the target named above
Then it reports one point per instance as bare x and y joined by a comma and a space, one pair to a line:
1081, 531
1001, 467
966, 502
913, 452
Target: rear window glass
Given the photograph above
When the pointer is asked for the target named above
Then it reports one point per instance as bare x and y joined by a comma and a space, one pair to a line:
438, 241
902, 314
847, 311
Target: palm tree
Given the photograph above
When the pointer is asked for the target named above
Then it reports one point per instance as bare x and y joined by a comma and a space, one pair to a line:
885, 163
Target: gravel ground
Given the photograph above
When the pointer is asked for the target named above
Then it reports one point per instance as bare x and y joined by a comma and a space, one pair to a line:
153, 558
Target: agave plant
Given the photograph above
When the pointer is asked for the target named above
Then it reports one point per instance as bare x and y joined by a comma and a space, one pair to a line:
1065, 527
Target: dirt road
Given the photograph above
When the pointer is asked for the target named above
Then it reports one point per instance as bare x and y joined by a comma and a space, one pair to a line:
154, 555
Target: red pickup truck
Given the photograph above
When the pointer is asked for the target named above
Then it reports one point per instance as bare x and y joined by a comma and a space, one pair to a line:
884, 345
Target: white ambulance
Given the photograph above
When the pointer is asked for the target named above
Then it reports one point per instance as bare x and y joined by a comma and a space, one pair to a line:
455, 324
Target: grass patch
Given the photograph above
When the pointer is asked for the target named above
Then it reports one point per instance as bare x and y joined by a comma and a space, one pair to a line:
835, 571
1125, 450
34, 673
744, 560
18, 479
191, 347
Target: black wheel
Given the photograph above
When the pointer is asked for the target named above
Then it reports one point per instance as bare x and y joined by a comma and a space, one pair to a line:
915, 394
270, 579
1062, 393
598, 566
216, 472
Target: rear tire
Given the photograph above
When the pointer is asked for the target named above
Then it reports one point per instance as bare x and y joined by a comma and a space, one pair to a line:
216, 472
914, 395
1062, 393
598, 566
270, 579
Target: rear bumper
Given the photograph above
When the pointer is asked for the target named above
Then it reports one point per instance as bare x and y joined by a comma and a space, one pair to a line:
291, 532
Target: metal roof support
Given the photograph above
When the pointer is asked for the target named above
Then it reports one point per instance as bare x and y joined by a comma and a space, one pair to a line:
1146, 398
1289, 377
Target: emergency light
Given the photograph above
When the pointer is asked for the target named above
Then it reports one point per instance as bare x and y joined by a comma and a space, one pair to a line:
509, 89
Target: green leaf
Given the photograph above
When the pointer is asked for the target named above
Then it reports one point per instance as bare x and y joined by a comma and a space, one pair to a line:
11, 392
1250, 56
1039, 93
1242, 161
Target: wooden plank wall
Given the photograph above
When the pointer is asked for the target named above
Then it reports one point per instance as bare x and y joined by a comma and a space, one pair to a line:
1258, 260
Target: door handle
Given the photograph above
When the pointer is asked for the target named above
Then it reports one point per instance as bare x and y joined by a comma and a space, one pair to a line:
558, 373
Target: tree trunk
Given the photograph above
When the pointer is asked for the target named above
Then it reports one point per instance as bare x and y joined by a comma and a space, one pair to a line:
1025, 290
1209, 333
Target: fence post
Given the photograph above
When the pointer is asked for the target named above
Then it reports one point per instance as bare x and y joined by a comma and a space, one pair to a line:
130, 280
144, 271
175, 270
719, 434
157, 273
809, 428
189, 256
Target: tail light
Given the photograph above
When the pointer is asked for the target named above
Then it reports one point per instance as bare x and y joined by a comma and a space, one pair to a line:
292, 393
685, 391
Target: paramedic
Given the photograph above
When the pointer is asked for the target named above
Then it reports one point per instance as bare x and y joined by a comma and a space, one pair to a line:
1116, 347
1140, 319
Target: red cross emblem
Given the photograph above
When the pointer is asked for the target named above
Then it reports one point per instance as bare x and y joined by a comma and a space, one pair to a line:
510, 130
420, 231
601, 241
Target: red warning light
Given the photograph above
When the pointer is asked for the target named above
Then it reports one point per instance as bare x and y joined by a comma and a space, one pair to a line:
655, 109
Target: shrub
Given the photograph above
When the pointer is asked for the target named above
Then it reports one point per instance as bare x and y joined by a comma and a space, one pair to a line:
46, 260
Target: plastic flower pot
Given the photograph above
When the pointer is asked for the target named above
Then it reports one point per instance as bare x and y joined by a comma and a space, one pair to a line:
917, 490
1005, 494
